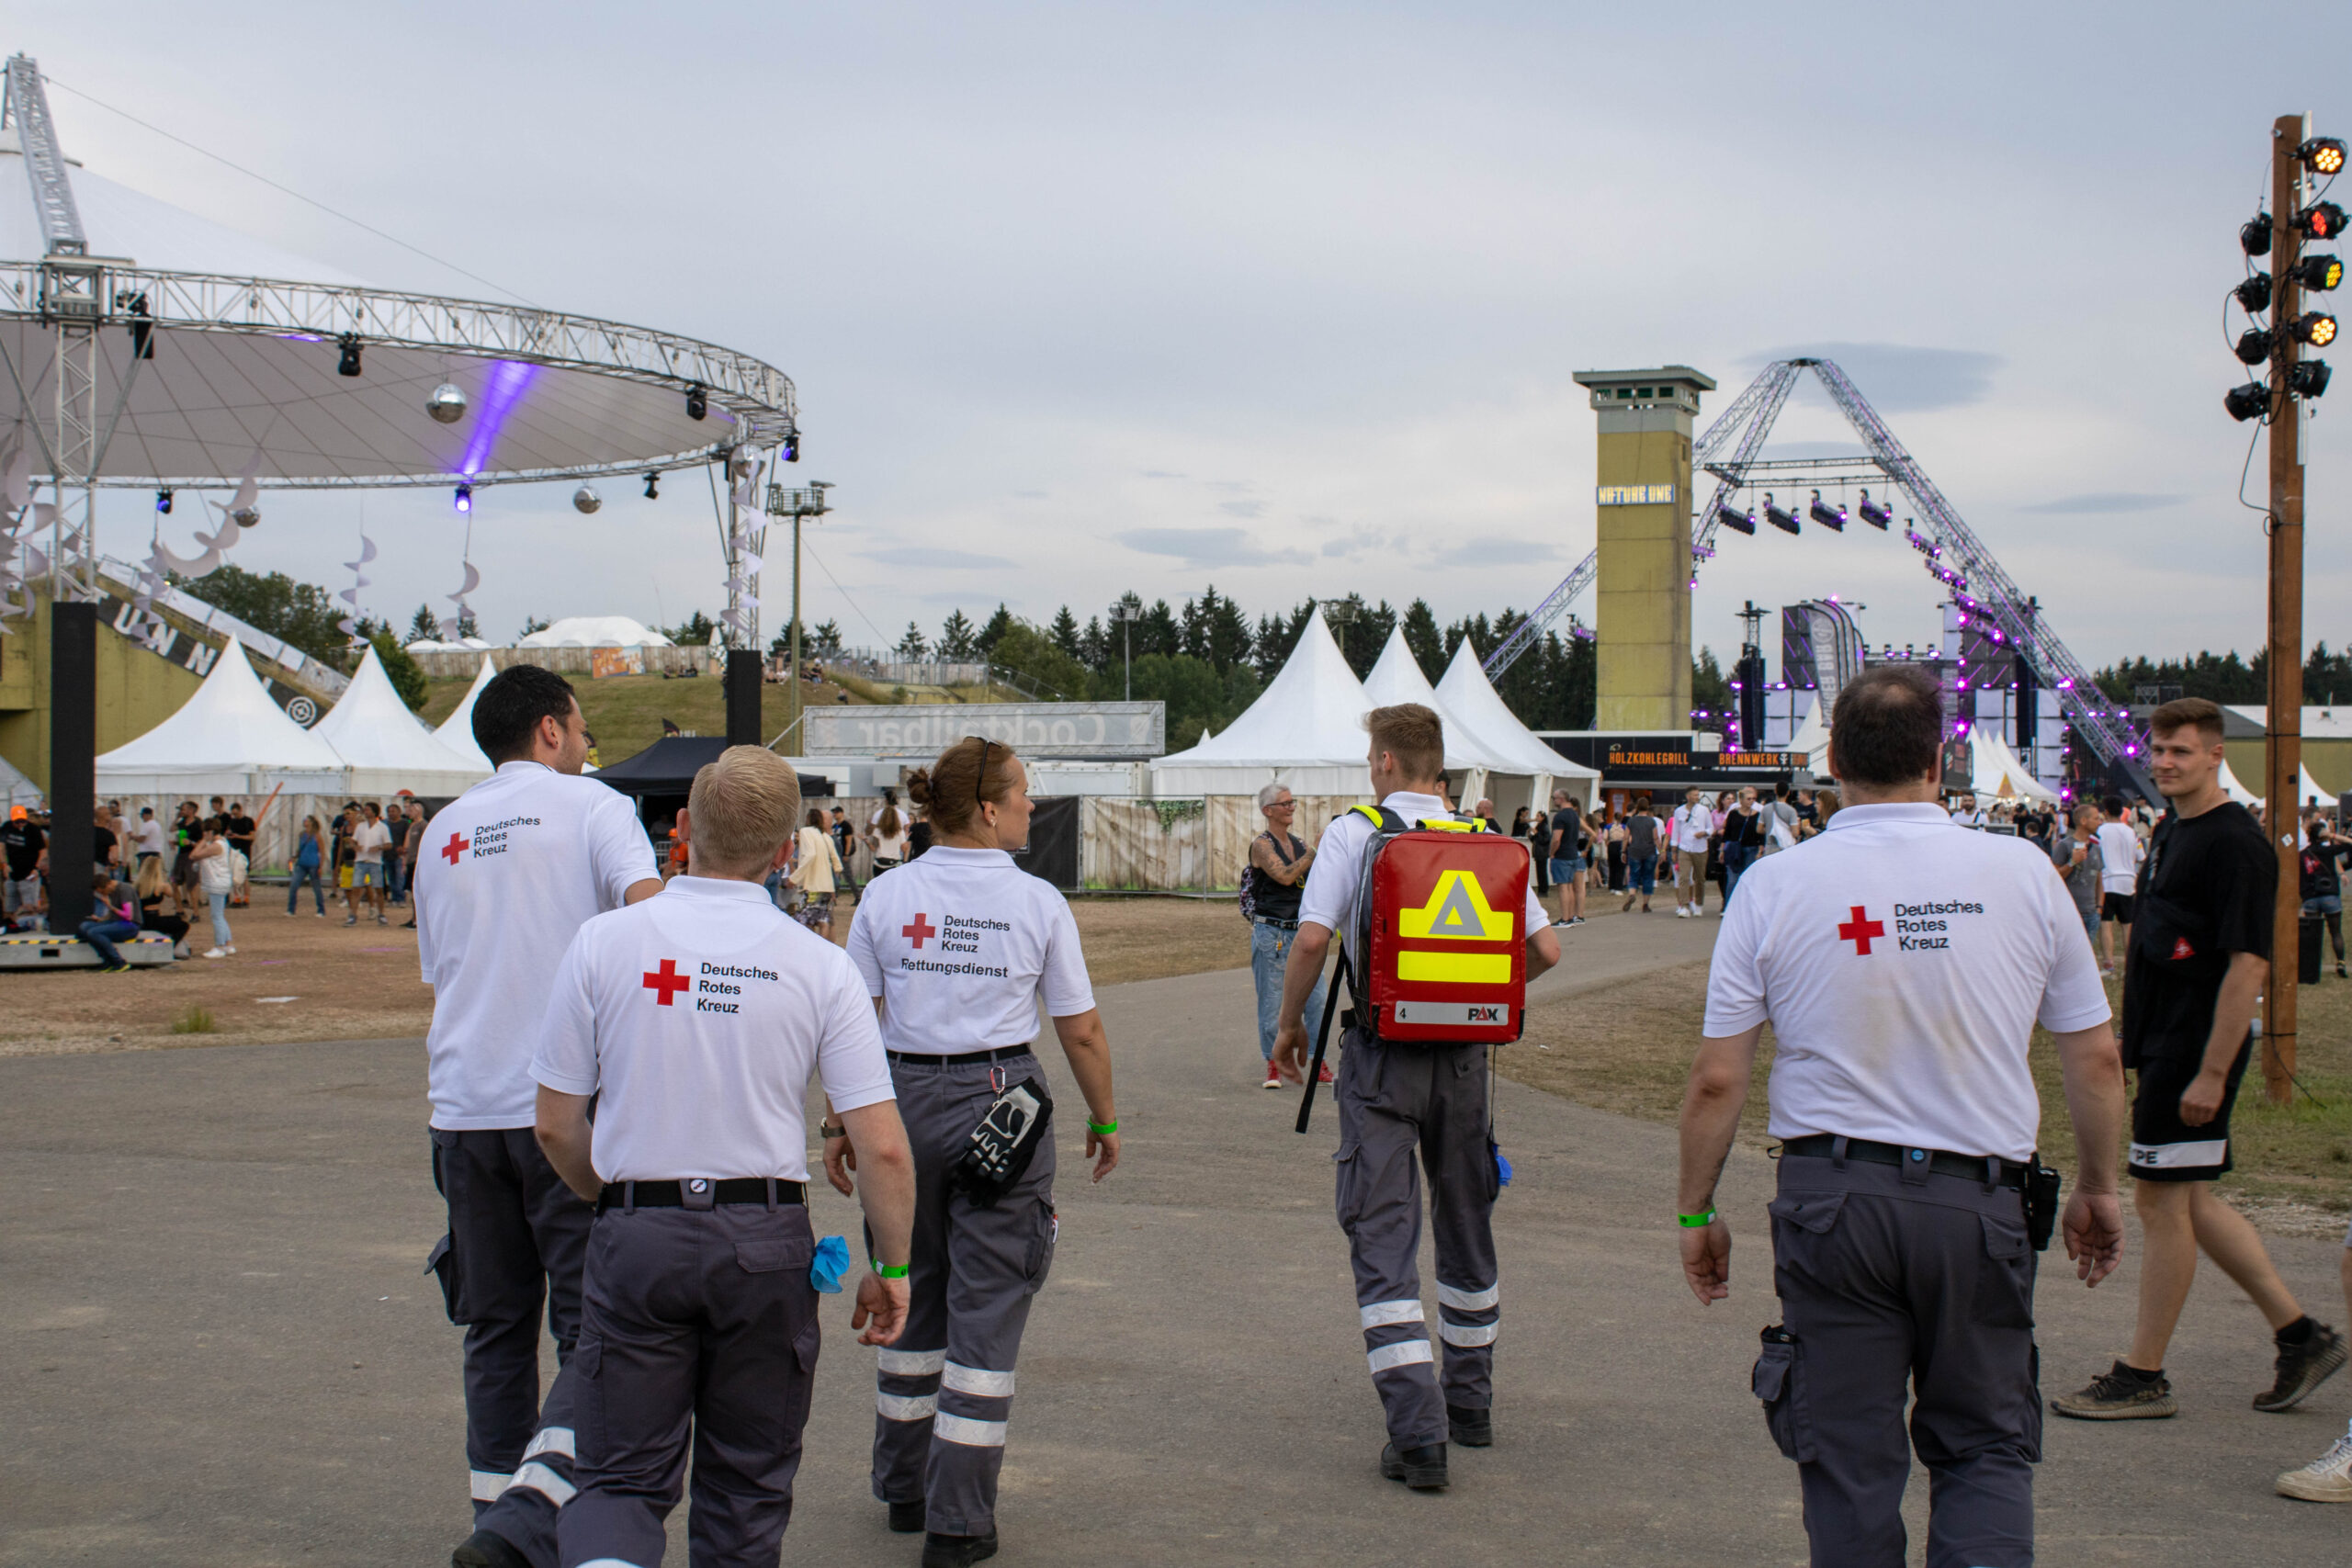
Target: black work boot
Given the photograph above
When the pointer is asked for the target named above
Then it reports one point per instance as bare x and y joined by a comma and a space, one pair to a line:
488, 1549
1423, 1468
956, 1551
907, 1518
1471, 1428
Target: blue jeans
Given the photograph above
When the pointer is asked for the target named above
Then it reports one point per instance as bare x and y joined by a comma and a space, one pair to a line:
303, 873
1641, 875
1737, 858
102, 935
219, 902
1269, 957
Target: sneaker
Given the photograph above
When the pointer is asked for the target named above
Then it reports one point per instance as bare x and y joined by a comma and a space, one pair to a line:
907, 1518
1273, 1079
232, 948
1560, 925
488, 1549
350, 920
956, 1551
216, 952
1575, 920
2121, 1394
1421, 1469
1323, 1075
1682, 911
382, 921
1471, 1428
2327, 1479
1625, 906
2302, 1368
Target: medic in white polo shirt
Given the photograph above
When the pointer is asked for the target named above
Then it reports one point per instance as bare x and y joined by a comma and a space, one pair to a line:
1902, 962
507, 875
694, 1020
957, 947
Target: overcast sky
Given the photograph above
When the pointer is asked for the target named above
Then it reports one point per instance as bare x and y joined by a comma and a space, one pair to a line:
1089, 298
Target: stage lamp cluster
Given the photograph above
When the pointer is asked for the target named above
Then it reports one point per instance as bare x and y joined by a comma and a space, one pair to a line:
2274, 344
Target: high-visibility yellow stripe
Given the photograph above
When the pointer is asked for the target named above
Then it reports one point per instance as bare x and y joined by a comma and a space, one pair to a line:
1455, 968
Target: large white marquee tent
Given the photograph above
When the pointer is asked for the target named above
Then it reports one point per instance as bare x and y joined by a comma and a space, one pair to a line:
1305, 730
387, 748
229, 739
1471, 700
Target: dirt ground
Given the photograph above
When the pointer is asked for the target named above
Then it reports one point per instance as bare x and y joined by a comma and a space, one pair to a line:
307, 978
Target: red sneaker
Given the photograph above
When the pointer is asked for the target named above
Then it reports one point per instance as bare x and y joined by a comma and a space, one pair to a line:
1273, 1079
1324, 1075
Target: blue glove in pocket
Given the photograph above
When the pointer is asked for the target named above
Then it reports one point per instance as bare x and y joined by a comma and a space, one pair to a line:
1502, 1166
832, 1261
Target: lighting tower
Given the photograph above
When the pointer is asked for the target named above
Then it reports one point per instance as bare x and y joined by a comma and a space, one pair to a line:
798, 505
2299, 215
1749, 675
1125, 613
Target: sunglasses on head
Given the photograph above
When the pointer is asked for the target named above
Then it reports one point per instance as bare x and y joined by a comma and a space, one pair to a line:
981, 782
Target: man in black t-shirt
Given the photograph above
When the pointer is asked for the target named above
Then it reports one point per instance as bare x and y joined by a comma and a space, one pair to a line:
2324, 854
1567, 859
23, 840
2202, 916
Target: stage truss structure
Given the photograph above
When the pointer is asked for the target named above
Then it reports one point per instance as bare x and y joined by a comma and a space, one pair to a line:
123, 375
1950, 551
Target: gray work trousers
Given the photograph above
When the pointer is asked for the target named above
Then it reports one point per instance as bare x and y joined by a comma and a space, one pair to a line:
944, 1391
1896, 1282
700, 1325
517, 1238
1399, 1103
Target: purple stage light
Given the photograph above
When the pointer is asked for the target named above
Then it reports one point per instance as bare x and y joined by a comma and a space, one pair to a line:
501, 391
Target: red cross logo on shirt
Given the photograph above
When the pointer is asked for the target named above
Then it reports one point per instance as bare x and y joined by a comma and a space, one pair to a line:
666, 981
455, 847
921, 928
1858, 931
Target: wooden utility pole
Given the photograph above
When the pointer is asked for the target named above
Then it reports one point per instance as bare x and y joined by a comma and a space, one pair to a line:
2284, 724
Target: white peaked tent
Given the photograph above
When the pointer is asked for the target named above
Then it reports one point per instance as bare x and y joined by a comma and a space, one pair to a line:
1813, 738
229, 739
1471, 702
1304, 730
386, 746
1398, 678
1997, 775
456, 731
2236, 791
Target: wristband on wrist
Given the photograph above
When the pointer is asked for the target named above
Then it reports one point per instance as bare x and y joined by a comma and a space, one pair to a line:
888, 1270
825, 1130
1693, 1222
1102, 1129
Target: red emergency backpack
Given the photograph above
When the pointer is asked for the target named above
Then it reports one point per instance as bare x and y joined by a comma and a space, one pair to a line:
1439, 952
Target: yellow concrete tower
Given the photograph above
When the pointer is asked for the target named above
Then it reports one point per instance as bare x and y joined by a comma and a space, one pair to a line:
1642, 617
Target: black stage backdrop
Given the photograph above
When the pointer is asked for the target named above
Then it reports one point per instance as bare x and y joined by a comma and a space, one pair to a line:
1053, 842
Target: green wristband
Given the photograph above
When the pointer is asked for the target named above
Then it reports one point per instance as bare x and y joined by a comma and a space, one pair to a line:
1103, 1129
1692, 1221
887, 1270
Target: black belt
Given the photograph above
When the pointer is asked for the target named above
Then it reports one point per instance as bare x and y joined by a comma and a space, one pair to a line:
1283, 925
1823, 1145
697, 1193
964, 1059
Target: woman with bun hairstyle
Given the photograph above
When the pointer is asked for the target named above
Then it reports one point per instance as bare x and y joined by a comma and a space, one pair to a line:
957, 948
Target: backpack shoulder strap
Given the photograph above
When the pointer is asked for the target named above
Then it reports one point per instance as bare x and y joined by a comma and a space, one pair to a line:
1382, 819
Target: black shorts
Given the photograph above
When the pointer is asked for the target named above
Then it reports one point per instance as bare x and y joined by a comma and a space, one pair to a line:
2166, 1148
2117, 906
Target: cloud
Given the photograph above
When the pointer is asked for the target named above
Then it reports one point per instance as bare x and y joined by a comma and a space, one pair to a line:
926, 556
1161, 474
1242, 508
1209, 546
2104, 502
1030, 494
1358, 540
1897, 377
1233, 486
1493, 550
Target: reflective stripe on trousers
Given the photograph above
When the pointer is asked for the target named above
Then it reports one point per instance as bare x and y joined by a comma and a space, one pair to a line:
1403, 1108
944, 1395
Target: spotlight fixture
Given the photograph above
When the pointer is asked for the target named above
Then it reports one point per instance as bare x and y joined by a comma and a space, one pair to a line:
697, 401
2253, 294
142, 327
2318, 329
2321, 220
1732, 517
1820, 513
2249, 401
2320, 272
2309, 378
465, 498
2322, 155
1875, 514
654, 487
2253, 346
163, 502
2253, 235
1785, 522
585, 500
349, 363
446, 404
792, 447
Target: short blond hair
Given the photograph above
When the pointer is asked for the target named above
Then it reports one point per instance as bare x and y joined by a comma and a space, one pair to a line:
1412, 734
742, 810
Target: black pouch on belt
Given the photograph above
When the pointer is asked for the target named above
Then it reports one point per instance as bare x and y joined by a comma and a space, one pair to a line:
1004, 1144
2041, 1202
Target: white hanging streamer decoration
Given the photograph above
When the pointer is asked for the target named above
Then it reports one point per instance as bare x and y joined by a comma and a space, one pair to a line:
161, 563
453, 628
350, 595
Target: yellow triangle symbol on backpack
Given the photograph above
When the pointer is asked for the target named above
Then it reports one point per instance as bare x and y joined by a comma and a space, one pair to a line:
1458, 911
